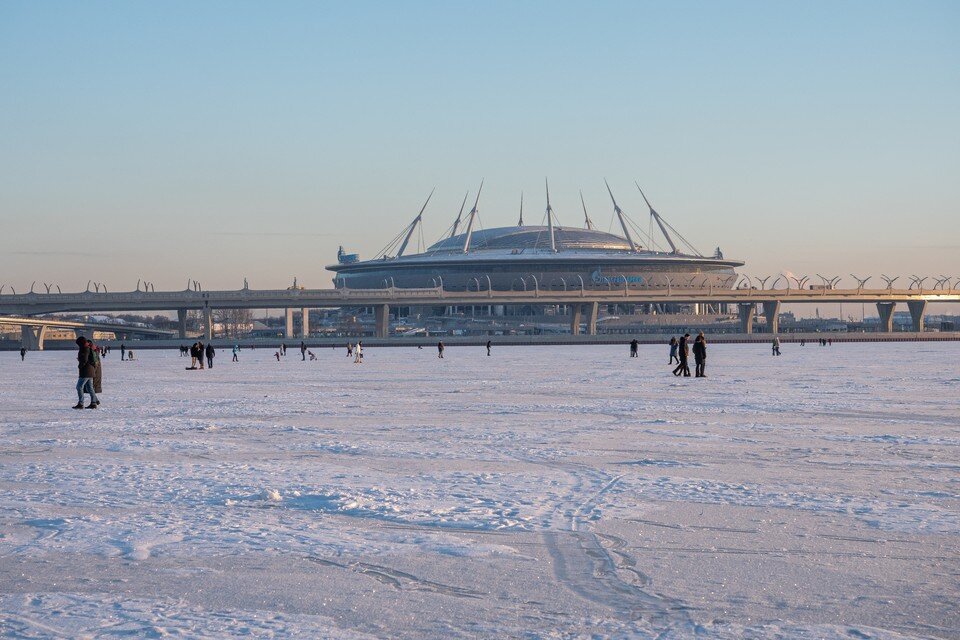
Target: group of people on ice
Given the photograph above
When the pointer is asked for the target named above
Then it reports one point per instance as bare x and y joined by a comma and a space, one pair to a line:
680, 353
355, 351
198, 351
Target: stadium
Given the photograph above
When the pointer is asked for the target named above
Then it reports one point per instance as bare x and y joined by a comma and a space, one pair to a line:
547, 257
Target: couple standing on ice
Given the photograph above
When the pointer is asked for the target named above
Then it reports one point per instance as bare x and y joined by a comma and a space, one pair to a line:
89, 373
197, 353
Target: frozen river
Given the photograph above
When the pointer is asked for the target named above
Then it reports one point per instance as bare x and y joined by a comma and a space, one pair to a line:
540, 492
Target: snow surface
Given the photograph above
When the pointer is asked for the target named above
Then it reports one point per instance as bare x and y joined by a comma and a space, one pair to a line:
543, 492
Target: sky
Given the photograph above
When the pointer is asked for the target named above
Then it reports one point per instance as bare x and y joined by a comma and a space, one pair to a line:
218, 141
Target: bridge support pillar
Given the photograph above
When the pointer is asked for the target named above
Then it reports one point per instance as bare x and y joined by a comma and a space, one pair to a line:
593, 312
382, 321
771, 311
917, 309
746, 311
31, 338
182, 323
305, 322
288, 323
885, 309
576, 315
208, 323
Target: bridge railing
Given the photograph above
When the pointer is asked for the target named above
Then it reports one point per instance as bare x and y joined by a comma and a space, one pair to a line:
291, 297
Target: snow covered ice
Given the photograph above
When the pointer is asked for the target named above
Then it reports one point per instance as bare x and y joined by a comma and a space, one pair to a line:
542, 492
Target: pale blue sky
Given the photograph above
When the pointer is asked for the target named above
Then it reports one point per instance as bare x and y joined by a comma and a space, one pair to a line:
217, 141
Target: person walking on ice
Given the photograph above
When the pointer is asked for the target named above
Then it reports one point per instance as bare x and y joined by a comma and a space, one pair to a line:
440, 349
776, 345
358, 350
236, 353
210, 353
673, 350
488, 347
683, 349
303, 351
23, 353
634, 345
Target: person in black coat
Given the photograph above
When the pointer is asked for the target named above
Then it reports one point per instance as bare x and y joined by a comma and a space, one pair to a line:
700, 355
87, 369
195, 354
210, 353
634, 345
683, 351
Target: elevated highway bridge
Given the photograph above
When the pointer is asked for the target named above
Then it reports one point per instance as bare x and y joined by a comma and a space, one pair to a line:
33, 331
583, 303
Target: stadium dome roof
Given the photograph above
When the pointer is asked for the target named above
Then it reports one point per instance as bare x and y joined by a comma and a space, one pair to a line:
534, 237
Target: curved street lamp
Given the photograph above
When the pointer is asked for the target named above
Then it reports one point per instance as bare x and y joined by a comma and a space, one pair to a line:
861, 282
889, 280
829, 283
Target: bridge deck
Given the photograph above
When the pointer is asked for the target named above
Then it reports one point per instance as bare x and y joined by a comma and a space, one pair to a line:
37, 303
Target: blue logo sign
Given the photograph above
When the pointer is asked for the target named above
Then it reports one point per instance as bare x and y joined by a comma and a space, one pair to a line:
598, 277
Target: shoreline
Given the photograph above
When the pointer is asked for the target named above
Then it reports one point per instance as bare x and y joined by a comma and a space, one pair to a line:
507, 341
